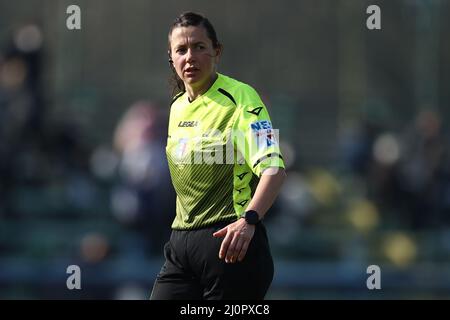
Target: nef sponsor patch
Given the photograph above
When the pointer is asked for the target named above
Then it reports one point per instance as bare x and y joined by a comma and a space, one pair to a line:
264, 133
259, 125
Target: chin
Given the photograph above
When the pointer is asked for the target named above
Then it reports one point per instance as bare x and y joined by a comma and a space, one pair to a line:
193, 81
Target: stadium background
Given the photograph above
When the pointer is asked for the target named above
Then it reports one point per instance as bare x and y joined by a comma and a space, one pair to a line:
364, 128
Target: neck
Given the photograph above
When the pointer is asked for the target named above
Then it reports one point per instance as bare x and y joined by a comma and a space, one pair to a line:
195, 91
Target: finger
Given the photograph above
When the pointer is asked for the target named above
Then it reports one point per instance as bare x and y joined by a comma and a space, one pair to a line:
231, 252
243, 250
237, 249
224, 246
220, 233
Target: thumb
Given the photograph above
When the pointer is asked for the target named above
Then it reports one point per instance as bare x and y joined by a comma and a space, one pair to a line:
221, 233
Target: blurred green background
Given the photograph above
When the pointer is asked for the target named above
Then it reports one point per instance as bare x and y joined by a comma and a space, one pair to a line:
363, 118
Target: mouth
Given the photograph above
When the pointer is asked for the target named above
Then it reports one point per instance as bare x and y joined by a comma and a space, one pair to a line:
190, 70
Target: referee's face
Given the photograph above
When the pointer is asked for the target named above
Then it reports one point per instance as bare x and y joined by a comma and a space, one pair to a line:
193, 55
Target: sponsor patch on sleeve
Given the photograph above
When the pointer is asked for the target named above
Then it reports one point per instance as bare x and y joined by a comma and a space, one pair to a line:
264, 133
261, 125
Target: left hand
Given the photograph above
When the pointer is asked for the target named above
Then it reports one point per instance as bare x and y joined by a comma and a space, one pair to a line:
237, 239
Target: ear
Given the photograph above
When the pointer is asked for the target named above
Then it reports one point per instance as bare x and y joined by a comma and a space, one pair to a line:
218, 53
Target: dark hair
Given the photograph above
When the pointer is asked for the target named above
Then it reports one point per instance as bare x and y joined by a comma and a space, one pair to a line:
187, 19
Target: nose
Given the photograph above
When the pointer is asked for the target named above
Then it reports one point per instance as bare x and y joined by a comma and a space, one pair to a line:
190, 55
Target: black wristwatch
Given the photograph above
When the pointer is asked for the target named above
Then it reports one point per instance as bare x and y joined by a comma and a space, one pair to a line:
252, 217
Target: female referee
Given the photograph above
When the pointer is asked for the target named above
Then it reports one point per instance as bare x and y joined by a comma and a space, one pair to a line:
218, 248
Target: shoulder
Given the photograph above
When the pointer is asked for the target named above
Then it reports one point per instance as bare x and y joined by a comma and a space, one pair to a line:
239, 92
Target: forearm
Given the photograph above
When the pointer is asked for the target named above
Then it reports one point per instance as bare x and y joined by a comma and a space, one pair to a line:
267, 190
237, 235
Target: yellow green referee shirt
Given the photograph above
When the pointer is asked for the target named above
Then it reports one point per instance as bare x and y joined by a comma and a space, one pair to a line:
217, 147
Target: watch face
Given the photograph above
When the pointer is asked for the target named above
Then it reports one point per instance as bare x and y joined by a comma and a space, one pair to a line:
251, 217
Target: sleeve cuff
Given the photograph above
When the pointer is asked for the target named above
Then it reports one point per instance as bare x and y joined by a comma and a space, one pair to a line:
271, 160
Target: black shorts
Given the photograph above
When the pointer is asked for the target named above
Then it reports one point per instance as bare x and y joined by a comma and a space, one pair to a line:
193, 270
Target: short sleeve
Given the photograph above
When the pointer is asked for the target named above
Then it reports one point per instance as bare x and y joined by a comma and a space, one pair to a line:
254, 136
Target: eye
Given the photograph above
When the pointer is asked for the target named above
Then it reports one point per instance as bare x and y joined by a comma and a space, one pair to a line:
180, 50
200, 46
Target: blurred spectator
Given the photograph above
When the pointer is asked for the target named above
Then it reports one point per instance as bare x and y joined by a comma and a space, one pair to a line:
409, 173
21, 107
144, 198
406, 174
423, 171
